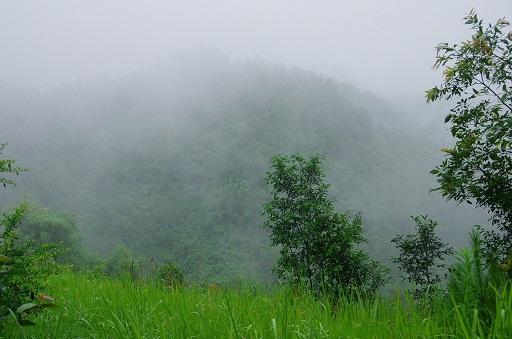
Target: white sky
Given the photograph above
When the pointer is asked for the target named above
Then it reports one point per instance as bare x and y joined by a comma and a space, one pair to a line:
384, 46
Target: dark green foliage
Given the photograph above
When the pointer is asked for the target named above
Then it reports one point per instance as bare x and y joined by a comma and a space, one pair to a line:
120, 261
124, 263
170, 275
421, 255
318, 247
478, 168
24, 268
8, 167
43, 226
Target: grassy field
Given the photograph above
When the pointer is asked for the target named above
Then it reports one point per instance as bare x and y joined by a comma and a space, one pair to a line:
92, 307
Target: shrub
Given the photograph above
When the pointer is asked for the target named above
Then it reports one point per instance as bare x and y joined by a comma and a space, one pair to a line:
421, 255
120, 261
170, 275
42, 226
24, 269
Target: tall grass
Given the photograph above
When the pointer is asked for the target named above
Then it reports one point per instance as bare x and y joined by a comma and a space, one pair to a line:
92, 307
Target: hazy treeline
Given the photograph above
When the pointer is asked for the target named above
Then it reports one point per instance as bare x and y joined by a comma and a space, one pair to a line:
169, 161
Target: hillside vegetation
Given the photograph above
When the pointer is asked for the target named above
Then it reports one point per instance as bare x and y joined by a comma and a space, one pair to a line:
207, 198
169, 161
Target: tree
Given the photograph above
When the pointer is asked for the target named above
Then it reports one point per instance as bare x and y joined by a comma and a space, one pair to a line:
318, 246
43, 226
421, 254
478, 168
9, 167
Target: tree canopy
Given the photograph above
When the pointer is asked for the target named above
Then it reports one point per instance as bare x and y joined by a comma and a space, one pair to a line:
422, 254
318, 246
478, 75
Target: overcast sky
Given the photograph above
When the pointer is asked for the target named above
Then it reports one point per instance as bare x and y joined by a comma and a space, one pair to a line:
383, 46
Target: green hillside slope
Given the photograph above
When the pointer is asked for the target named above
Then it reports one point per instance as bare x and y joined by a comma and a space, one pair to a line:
169, 161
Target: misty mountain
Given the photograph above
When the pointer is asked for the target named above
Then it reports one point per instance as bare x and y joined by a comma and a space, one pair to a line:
169, 160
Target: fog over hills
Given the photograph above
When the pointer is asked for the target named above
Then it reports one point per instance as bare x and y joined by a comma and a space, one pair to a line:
169, 160
384, 46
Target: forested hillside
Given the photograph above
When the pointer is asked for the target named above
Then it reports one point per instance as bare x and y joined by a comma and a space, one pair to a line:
169, 161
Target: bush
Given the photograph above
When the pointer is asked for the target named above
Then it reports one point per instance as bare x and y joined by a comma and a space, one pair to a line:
119, 262
24, 269
42, 226
122, 262
170, 275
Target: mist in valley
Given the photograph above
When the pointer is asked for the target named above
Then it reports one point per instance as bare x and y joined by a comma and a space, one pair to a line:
152, 124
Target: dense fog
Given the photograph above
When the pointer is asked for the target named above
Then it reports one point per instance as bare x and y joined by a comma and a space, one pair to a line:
152, 123
383, 46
